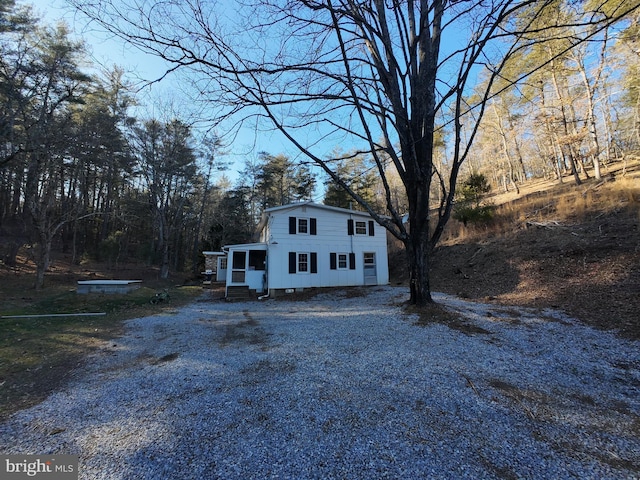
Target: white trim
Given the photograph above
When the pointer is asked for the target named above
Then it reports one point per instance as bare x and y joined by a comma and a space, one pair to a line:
355, 227
308, 221
308, 270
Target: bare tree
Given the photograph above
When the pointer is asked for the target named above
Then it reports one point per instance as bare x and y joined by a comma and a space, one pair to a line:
54, 82
167, 165
372, 75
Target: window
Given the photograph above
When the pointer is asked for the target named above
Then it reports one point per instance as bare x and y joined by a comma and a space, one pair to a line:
302, 226
361, 228
223, 263
369, 259
303, 262
342, 261
238, 260
257, 259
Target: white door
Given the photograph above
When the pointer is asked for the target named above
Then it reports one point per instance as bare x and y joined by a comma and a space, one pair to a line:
369, 262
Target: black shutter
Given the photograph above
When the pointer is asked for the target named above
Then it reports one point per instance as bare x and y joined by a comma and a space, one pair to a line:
292, 262
333, 261
371, 231
312, 226
352, 261
314, 262
350, 226
292, 225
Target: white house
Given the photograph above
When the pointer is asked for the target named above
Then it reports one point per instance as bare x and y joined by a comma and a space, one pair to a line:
306, 245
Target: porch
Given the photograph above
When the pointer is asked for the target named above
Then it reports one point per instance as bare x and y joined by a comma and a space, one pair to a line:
245, 268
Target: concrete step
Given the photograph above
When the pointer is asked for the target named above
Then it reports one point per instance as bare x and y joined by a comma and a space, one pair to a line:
241, 293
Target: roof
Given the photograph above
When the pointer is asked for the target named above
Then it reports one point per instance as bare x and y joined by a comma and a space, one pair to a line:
293, 206
255, 246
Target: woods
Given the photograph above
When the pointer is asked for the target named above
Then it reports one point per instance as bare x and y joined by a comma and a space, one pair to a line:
405, 99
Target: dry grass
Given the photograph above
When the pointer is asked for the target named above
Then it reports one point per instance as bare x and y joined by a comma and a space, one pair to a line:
564, 204
576, 248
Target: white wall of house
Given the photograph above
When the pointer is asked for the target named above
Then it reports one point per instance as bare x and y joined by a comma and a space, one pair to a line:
308, 245
329, 247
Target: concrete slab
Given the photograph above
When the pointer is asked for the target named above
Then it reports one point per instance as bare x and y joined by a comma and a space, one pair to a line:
107, 286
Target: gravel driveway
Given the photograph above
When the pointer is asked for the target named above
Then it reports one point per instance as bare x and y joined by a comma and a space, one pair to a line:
346, 388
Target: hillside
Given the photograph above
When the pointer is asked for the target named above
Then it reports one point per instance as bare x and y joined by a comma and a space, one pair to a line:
575, 248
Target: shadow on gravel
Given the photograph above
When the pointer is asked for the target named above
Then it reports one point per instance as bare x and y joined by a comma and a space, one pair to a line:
247, 332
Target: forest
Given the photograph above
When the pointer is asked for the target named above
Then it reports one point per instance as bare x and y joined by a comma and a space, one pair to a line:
80, 173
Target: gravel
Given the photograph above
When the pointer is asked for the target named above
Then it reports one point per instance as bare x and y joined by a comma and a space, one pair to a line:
346, 387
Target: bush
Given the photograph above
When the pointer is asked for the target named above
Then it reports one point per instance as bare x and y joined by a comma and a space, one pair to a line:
466, 213
468, 208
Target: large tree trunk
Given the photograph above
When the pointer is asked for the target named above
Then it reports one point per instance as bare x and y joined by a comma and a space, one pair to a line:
418, 259
595, 146
417, 244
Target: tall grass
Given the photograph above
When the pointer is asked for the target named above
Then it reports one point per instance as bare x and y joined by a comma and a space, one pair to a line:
565, 203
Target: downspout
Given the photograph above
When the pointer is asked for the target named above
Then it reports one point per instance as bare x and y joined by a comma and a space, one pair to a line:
354, 228
266, 260
266, 276
225, 249
265, 281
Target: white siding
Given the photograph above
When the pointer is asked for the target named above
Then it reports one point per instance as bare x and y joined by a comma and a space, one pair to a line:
332, 237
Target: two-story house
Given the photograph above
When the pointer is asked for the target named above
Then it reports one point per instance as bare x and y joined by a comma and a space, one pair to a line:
307, 245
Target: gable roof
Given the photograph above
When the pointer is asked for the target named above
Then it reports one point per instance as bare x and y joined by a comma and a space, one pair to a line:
294, 206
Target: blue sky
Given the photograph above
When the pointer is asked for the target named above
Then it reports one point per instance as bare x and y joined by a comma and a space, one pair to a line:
107, 51
104, 50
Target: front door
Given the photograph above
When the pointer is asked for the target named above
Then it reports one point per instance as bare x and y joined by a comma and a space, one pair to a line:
369, 262
238, 266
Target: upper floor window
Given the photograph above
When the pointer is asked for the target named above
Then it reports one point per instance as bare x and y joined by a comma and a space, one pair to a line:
302, 226
360, 227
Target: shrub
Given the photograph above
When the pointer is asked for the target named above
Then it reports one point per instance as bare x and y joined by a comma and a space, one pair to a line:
468, 206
